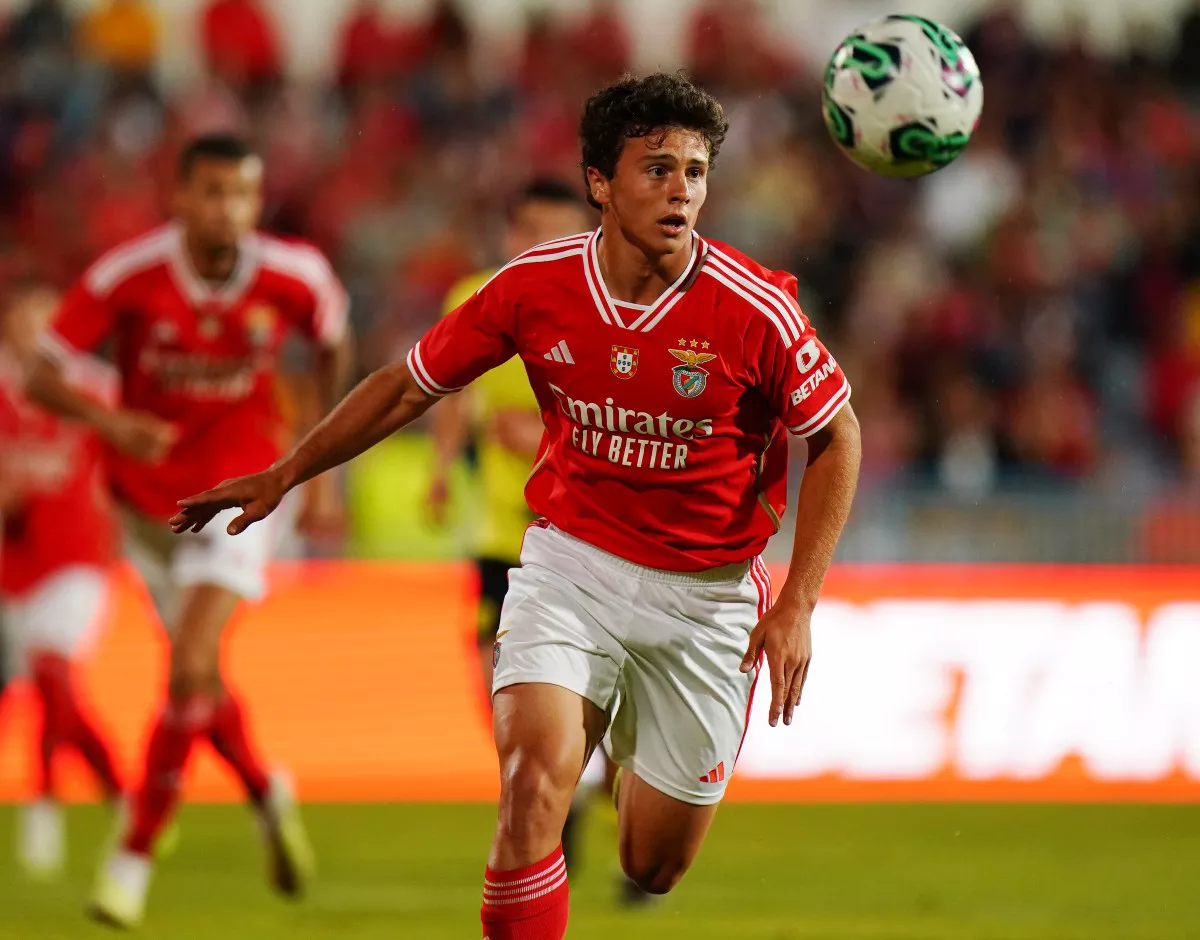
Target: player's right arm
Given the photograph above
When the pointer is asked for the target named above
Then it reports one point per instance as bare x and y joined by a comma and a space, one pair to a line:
457, 350
84, 320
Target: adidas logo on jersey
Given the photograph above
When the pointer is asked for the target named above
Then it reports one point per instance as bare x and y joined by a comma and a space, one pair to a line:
560, 353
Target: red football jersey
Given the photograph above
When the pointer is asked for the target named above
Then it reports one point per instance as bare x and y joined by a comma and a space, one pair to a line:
200, 355
666, 425
63, 515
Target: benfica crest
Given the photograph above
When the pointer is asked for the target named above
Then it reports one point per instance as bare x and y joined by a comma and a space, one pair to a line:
260, 324
689, 379
623, 362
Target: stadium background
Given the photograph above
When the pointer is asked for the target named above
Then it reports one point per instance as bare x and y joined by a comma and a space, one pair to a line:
1015, 615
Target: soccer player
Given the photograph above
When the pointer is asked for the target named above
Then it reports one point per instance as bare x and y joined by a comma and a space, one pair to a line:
641, 611
54, 587
197, 310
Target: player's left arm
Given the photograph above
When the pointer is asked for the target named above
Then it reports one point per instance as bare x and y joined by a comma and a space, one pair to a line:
811, 395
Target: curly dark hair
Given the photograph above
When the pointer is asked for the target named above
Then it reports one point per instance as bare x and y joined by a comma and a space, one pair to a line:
636, 107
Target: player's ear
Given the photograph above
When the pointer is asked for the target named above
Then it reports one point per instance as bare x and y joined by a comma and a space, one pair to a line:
598, 186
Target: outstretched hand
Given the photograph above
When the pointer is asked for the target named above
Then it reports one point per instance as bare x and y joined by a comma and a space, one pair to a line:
256, 495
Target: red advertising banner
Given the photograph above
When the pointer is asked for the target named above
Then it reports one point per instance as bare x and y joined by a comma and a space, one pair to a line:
927, 683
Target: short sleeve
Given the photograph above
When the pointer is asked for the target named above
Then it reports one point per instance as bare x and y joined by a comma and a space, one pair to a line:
460, 347
325, 312
85, 318
803, 382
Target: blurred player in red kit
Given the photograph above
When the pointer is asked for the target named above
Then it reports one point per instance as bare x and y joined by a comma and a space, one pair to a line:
642, 609
59, 542
196, 311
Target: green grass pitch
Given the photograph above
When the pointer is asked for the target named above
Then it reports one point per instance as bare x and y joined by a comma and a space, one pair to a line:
924, 872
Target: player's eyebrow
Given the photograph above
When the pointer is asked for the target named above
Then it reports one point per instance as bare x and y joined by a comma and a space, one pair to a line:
667, 157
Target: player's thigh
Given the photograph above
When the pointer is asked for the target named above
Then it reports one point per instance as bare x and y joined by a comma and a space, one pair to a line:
213, 572
150, 547
205, 610
544, 734
547, 729
62, 615
556, 669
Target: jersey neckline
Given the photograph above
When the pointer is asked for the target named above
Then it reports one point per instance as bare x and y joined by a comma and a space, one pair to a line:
645, 317
202, 293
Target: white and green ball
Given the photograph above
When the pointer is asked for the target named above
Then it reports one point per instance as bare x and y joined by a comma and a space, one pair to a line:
902, 96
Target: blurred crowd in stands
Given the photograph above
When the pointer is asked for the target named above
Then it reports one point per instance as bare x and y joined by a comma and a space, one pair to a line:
1029, 316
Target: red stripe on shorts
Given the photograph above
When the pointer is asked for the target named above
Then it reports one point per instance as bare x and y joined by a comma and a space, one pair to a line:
762, 580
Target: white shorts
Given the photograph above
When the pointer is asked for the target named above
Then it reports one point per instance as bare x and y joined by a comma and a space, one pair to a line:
60, 615
660, 652
168, 563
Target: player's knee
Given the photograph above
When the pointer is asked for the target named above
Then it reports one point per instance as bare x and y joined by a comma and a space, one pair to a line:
534, 797
654, 876
193, 676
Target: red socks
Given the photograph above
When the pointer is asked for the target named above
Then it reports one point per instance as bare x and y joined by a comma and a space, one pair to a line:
178, 727
229, 739
527, 904
180, 723
64, 723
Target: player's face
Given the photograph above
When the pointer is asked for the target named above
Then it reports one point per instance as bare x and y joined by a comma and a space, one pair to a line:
221, 201
541, 220
659, 186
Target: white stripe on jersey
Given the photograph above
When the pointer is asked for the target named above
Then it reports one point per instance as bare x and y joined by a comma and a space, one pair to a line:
700, 259
559, 241
825, 415
657, 316
128, 259
650, 315
307, 265
417, 367
595, 281
776, 297
719, 274
571, 245
605, 313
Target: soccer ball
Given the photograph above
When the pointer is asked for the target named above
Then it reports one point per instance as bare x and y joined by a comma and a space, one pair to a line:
902, 96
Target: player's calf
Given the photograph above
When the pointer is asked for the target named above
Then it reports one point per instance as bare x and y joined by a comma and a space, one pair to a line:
543, 733
659, 836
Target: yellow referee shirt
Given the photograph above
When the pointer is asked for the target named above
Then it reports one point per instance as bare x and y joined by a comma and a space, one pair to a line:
502, 474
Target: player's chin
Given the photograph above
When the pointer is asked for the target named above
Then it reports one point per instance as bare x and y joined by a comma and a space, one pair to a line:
671, 236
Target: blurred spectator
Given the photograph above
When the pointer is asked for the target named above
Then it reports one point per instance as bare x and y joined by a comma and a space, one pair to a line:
41, 40
241, 45
123, 35
366, 50
601, 42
